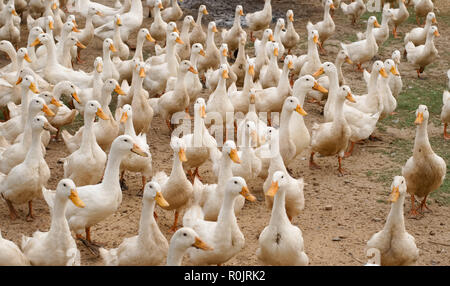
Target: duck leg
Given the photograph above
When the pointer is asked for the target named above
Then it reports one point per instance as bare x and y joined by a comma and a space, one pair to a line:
175, 222
186, 110
144, 181
340, 169
79, 61
423, 205
55, 137
394, 31
169, 125
446, 135
196, 174
30, 216
312, 164
413, 212
91, 246
251, 37
350, 151
12, 210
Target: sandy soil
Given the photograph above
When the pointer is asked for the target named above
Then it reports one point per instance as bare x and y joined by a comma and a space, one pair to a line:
332, 237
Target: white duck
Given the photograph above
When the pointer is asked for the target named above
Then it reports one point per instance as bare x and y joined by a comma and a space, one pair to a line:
176, 188
231, 36
270, 74
192, 81
423, 55
122, 50
241, 98
445, 113
133, 162
212, 58
181, 241
290, 37
25, 181
309, 63
172, 13
238, 66
326, 27
9, 31
396, 245
354, 9
198, 35
158, 27
281, 243
184, 50
381, 34
418, 35
401, 14
57, 246
103, 199
150, 246
223, 235
259, 20
363, 50
395, 82
213, 76
422, 8
85, 166
87, 34
425, 170
261, 55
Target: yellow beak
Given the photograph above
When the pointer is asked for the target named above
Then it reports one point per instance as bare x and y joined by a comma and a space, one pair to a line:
47, 110
99, 67
225, 74
319, 87
319, 72
275, 52
33, 88
112, 48
160, 6
395, 194
99, 13
149, 38
383, 73
182, 155
291, 18
119, 90
124, 117
14, 12
100, 113
203, 111
246, 194
350, 97
205, 12
394, 71
80, 45
19, 80
75, 96
137, 150
436, 33
241, 13
119, 22
348, 60
214, 29
419, 118
76, 199
271, 192
271, 37
75, 29
315, 39
234, 156
176, 30
290, 65
300, 110
160, 200
202, 53
50, 25
27, 58
251, 70
193, 70
225, 52
36, 42
54, 6
376, 24
201, 244
142, 73
55, 102
179, 41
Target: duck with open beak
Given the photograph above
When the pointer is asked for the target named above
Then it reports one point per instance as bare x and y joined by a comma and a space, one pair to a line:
75, 96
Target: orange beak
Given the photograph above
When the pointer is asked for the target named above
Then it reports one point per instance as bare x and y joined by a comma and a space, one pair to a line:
75, 29
225, 52
436, 33
271, 37
241, 13
300, 110
142, 73
19, 80
193, 70
350, 97
319, 72
394, 71
14, 12
50, 25
55, 102
35, 43
225, 74
80, 45
33, 88
202, 53
124, 117
179, 41
75, 96
160, 6
419, 118
205, 12
214, 29
291, 18
275, 52
54, 6
119, 90
47, 110
27, 58
100, 113
271, 192
112, 48
319, 87
376, 24
383, 73
251, 70
149, 38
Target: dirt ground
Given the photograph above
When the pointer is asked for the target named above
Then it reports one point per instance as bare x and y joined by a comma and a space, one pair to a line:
358, 204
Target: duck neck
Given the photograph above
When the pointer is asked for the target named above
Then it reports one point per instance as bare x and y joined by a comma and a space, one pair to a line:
194, 59
139, 46
267, 5
312, 51
12, 54
333, 88
279, 215
237, 20
210, 40
31, 50
59, 222
35, 152
226, 214
338, 63
185, 30
198, 129
171, 58
117, 39
157, 14
111, 176
248, 82
223, 59
147, 221
175, 254
129, 128
421, 142
300, 94
51, 55
88, 134
284, 124
326, 14
395, 218
284, 78
225, 171
177, 167
199, 18
25, 100
338, 112
221, 86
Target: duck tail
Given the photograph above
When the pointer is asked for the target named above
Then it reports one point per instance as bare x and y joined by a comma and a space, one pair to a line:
154, 104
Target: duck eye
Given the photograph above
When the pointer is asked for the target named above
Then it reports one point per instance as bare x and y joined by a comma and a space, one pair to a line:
307, 79
185, 234
126, 140
64, 185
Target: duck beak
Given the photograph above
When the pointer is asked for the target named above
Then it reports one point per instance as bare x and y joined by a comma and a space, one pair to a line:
50, 25
300, 110
80, 45
100, 113
290, 65
275, 52
112, 48
47, 110
182, 155
179, 41
49, 127
273, 189
75, 29
160, 200
75, 96
214, 29
225, 74
160, 6
332, 7
75, 23
395, 194
376, 24
76, 199
137, 150
251, 70
142, 73
19, 80
55, 102
394, 71
202, 53
225, 52
348, 60
119, 90
315, 39
203, 112
14, 12
271, 38
99, 67
419, 118
254, 136
318, 73
205, 12
434, 21
119, 22
149, 38
436, 33
241, 13
252, 98
234, 156
201, 244
246, 194
319, 87
193, 70
350, 97
176, 30
383, 73
99, 13
291, 18
27, 58
54, 6
35, 43
124, 117
33, 88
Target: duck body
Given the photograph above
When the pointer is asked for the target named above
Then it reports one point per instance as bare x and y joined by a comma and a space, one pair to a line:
261, 19
423, 55
418, 35
11, 255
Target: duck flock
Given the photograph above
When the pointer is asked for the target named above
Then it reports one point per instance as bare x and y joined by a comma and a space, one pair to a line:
228, 92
